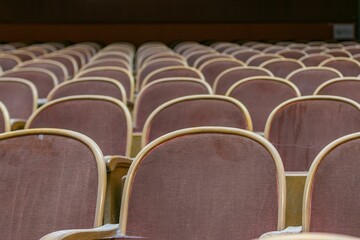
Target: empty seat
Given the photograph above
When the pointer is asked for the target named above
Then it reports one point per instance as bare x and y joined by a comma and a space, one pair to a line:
89, 86
158, 92
315, 59
244, 54
201, 183
331, 199
108, 63
212, 68
206, 57
43, 79
299, 128
104, 119
308, 79
195, 111
120, 74
292, 53
177, 71
8, 61
348, 67
282, 67
154, 65
228, 77
68, 61
348, 87
51, 180
258, 59
260, 95
53, 66
20, 98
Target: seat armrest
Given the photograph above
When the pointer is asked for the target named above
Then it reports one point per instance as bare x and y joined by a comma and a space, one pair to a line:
104, 232
288, 230
17, 124
113, 162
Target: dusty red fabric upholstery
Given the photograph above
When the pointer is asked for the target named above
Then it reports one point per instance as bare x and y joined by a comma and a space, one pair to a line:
47, 183
260, 96
17, 97
102, 121
66, 62
156, 94
191, 59
228, 79
76, 56
109, 63
257, 60
7, 63
293, 54
48, 66
338, 53
23, 56
154, 66
244, 55
345, 66
212, 69
210, 185
335, 204
308, 80
174, 72
43, 81
349, 88
199, 62
120, 76
301, 129
195, 113
281, 68
90, 87
314, 60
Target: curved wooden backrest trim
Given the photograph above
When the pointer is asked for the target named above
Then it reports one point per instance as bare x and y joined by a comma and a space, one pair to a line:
208, 62
112, 100
49, 61
339, 59
32, 69
63, 55
275, 55
313, 68
331, 81
217, 79
282, 60
195, 97
83, 79
306, 211
274, 79
269, 147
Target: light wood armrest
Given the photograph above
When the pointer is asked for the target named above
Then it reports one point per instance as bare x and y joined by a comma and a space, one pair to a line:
102, 232
17, 124
117, 167
113, 162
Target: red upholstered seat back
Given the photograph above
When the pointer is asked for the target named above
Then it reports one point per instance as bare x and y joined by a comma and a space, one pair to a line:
301, 127
344, 87
204, 185
49, 181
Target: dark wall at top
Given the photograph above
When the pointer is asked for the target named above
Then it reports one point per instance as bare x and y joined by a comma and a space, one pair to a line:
200, 11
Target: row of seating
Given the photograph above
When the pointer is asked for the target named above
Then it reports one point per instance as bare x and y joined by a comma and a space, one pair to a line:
211, 182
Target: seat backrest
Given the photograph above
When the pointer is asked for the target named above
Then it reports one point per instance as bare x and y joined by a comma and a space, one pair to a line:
52, 180
348, 67
299, 128
193, 56
156, 64
204, 58
348, 87
158, 92
315, 59
195, 111
120, 74
338, 53
308, 79
43, 79
292, 53
177, 71
104, 119
331, 199
260, 95
53, 66
244, 54
212, 68
89, 86
19, 96
230, 76
258, 59
213, 183
282, 67
8, 62
68, 61
108, 63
